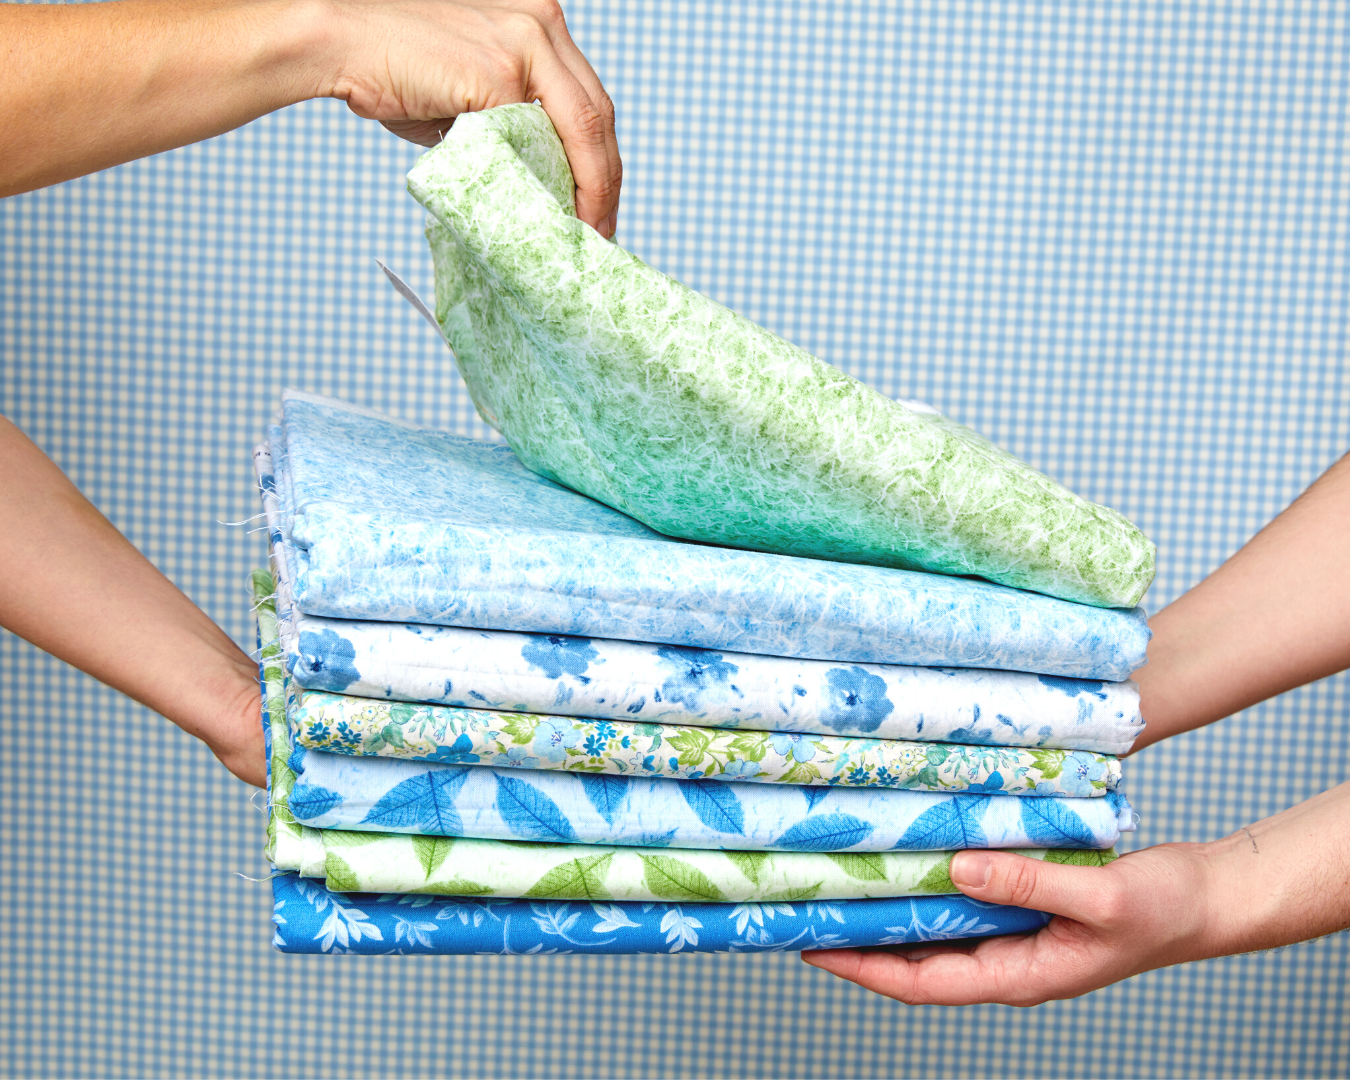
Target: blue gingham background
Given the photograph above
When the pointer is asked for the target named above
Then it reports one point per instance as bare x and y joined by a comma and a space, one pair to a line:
1110, 236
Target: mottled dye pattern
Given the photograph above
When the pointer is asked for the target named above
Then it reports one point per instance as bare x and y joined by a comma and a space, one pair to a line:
383, 521
618, 381
333, 791
360, 726
311, 919
383, 863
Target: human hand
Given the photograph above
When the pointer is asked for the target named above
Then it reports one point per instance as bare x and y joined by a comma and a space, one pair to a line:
1281, 880
415, 65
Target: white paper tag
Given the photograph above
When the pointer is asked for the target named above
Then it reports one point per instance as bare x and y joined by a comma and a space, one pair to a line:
405, 291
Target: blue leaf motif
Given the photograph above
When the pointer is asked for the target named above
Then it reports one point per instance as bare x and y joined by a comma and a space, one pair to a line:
829, 832
952, 824
606, 793
1049, 823
308, 801
715, 804
813, 795
424, 802
527, 811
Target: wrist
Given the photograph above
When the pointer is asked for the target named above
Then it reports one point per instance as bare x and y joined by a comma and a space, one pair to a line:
301, 46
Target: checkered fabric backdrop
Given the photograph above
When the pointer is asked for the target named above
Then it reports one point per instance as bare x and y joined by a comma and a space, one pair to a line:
1112, 237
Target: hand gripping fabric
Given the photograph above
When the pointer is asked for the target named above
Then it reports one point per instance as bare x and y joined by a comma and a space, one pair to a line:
619, 382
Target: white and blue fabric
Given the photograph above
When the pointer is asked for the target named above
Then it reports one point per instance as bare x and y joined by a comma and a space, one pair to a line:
395, 523
334, 791
311, 919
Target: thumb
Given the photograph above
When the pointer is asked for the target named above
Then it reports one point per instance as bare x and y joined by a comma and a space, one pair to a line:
1000, 877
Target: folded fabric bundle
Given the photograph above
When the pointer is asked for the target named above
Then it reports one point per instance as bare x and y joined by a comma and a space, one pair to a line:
389, 522
609, 377
357, 726
311, 919
383, 863
333, 791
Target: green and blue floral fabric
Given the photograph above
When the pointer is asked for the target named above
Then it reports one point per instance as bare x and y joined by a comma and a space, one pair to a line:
621, 383
353, 725
393, 523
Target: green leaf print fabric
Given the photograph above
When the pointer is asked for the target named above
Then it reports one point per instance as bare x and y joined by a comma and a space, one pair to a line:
343, 724
619, 382
376, 863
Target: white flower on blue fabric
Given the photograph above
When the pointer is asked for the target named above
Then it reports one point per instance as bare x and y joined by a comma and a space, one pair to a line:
611, 917
680, 929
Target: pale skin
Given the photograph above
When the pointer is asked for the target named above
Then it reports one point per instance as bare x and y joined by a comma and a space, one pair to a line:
1275, 616
90, 86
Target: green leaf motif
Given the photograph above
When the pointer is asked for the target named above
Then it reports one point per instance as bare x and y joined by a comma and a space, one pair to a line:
861, 866
692, 746
675, 879
800, 772
341, 877
431, 851
576, 879
938, 879
337, 838
749, 863
751, 745
793, 896
453, 887
1049, 762
1080, 858
520, 728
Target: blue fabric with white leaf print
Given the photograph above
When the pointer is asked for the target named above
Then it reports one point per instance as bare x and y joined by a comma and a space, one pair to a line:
334, 791
395, 523
310, 919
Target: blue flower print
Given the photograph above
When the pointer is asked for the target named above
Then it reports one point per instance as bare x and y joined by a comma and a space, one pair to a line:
595, 745
553, 738
556, 655
696, 672
798, 746
326, 661
742, 770
858, 774
521, 756
855, 699
1080, 769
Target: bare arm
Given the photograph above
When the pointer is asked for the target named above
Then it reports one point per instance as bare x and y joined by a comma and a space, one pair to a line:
87, 86
79, 590
1274, 616
1282, 880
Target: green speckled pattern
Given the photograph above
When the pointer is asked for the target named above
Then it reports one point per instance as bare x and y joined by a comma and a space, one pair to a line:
618, 381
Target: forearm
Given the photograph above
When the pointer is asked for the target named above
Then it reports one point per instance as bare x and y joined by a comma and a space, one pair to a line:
77, 588
1274, 616
87, 86
1281, 880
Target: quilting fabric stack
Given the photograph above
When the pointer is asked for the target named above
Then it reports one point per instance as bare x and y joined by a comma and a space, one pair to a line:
699, 662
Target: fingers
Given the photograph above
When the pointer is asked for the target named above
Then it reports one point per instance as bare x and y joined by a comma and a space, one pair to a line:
1092, 894
587, 132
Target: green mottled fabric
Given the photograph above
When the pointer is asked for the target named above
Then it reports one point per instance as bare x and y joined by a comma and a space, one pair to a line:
381, 863
615, 380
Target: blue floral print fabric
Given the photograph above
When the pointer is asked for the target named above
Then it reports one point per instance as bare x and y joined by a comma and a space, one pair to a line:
394, 523
310, 919
632, 681
333, 791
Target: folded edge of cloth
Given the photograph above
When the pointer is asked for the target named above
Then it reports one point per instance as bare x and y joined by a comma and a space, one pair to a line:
618, 381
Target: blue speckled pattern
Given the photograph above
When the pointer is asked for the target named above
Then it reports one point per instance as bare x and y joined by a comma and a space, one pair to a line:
403, 524
333, 791
310, 919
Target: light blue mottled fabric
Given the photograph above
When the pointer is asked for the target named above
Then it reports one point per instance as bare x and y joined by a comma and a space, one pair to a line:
333, 791
635, 681
310, 919
402, 524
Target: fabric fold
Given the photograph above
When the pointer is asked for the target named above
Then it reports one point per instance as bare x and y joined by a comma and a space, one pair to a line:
620, 382
393, 523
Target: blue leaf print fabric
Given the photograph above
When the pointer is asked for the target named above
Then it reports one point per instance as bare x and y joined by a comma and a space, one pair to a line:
394, 523
505, 804
310, 919
603, 679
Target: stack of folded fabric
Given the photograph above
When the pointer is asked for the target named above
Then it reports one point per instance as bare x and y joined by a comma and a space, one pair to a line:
508, 717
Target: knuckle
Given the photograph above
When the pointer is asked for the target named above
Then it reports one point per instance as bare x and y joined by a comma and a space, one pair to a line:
1112, 903
526, 26
1021, 882
605, 106
548, 12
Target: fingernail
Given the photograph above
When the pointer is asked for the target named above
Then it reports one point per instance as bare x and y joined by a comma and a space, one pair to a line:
970, 868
